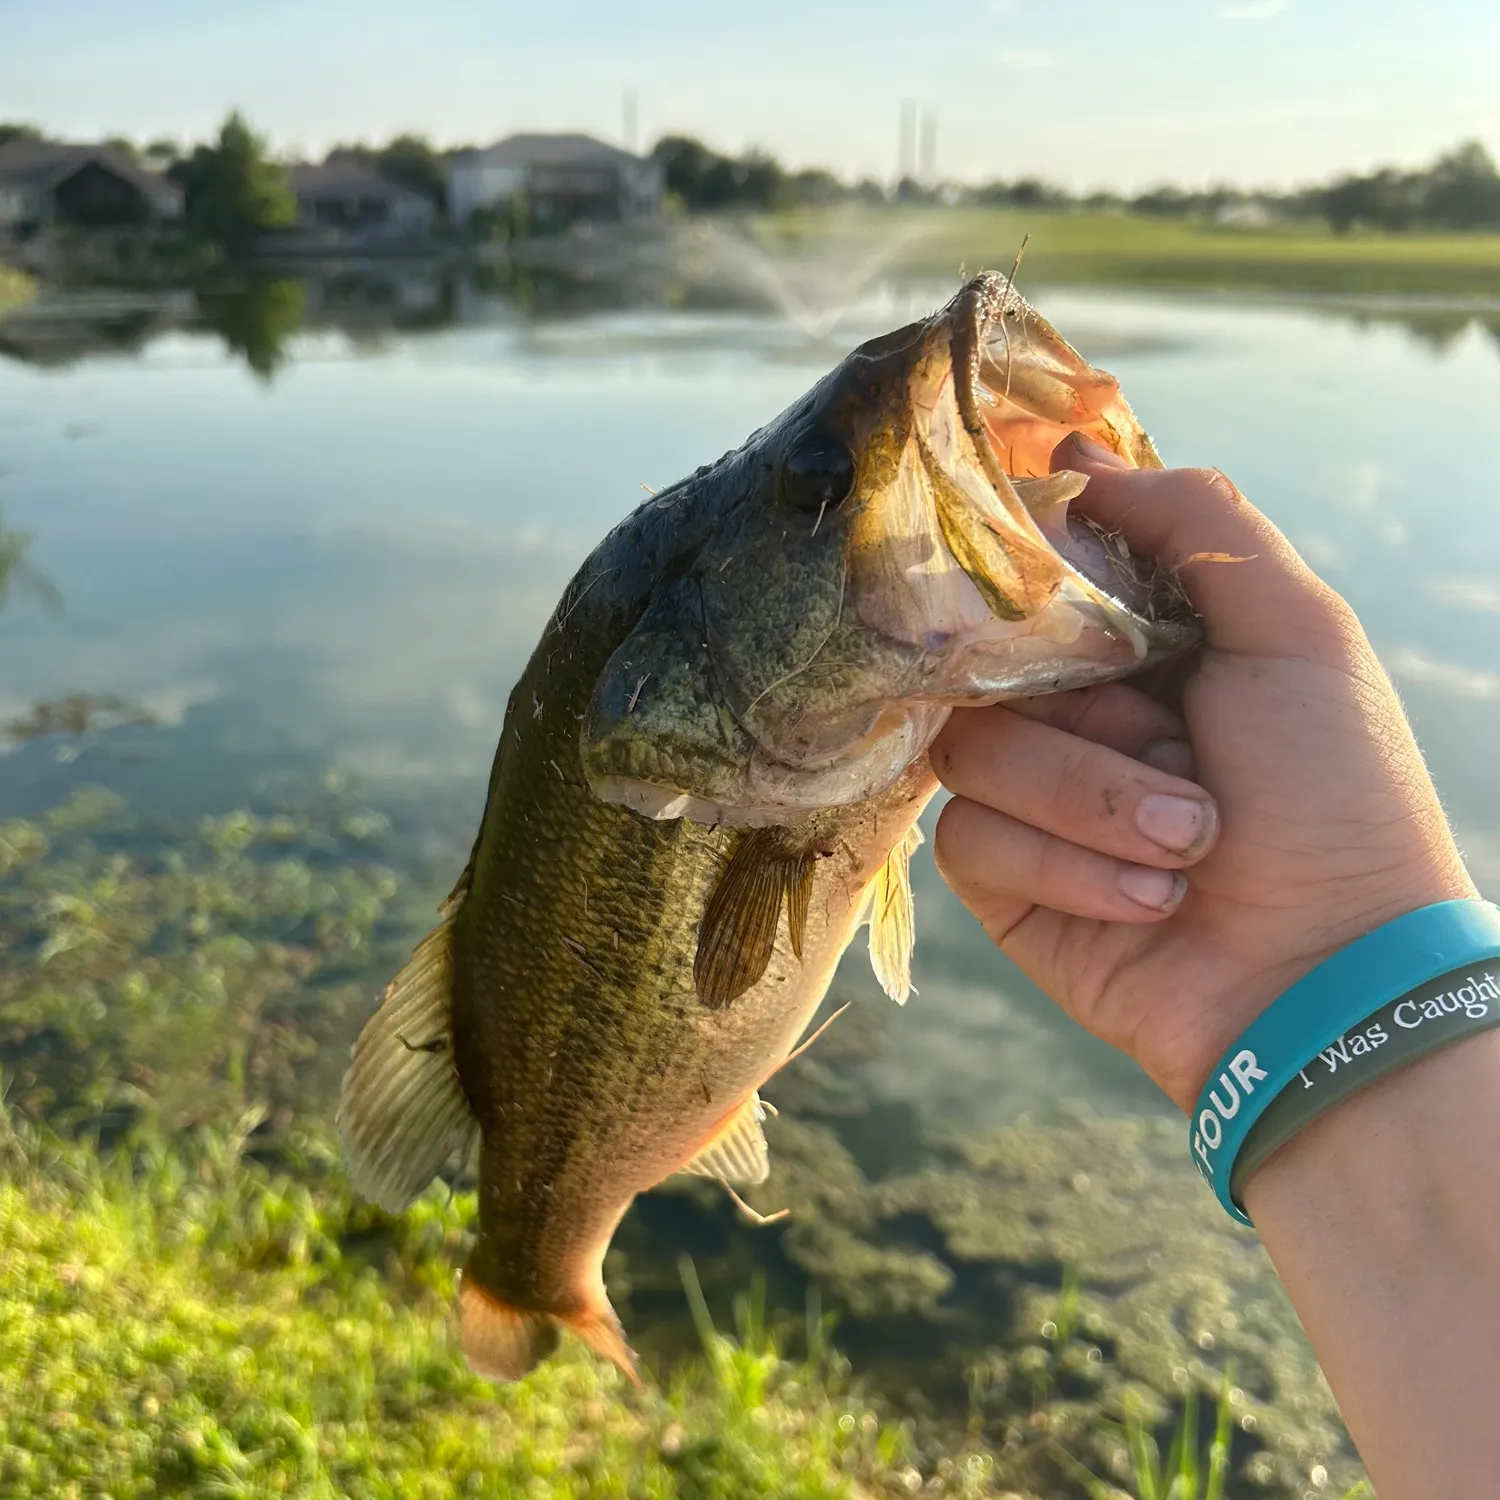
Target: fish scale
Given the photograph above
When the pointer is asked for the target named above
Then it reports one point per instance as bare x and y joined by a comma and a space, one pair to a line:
710, 774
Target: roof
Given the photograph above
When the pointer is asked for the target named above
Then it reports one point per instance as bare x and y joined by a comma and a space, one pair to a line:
44, 164
534, 150
342, 176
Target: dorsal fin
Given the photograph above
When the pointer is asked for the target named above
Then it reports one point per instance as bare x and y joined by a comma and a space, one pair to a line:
893, 919
736, 1152
737, 934
402, 1111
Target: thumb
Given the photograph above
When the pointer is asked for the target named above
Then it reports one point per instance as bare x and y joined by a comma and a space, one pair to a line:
1255, 594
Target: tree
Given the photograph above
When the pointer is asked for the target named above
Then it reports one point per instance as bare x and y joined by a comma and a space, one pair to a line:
1463, 189
161, 153
706, 180
232, 190
18, 130
413, 162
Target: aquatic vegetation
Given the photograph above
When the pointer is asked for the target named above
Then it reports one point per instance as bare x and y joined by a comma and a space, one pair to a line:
1059, 1280
76, 714
179, 980
17, 575
194, 1298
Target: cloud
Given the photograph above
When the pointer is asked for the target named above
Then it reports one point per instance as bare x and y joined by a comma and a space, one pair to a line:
1446, 677
1481, 853
1028, 60
1477, 594
1252, 10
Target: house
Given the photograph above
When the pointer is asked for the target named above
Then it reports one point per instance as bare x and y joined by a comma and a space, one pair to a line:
50, 182
560, 178
344, 195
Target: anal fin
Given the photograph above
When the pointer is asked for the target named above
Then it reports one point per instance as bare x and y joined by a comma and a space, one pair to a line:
892, 916
736, 1152
402, 1111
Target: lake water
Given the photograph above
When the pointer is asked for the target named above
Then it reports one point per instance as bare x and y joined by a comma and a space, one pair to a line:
344, 564
319, 538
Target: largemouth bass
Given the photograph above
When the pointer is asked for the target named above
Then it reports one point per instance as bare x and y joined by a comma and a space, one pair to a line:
710, 775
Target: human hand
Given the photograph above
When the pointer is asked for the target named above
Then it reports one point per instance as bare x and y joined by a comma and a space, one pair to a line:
1306, 816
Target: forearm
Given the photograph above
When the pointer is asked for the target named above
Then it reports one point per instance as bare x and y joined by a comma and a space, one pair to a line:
1383, 1221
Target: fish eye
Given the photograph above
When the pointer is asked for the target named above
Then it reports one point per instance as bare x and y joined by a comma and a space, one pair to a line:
817, 474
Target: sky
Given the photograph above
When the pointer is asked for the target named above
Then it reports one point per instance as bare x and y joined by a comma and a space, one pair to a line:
1089, 93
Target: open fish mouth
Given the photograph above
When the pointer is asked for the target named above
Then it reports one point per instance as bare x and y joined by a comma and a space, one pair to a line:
809, 659
1063, 600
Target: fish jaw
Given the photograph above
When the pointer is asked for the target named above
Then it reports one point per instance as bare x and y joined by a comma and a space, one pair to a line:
804, 665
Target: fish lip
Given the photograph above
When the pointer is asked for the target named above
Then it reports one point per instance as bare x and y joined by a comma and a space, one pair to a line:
1171, 626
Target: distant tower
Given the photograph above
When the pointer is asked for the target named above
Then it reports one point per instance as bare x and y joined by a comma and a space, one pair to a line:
906, 163
927, 172
630, 120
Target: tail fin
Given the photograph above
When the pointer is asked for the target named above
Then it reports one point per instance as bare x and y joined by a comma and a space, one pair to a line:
503, 1342
600, 1329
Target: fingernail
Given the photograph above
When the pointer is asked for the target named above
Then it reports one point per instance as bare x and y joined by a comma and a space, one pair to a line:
1159, 890
1095, 453
1181, 824
1175, 757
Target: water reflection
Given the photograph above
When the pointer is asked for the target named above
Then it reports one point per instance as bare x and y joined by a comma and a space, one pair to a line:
346, 559
256, 319
316, 527
258, 316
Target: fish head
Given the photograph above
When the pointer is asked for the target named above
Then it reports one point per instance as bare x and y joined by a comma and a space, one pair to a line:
889, 548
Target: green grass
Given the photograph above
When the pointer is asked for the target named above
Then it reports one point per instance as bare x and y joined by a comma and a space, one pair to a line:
193, 1302
1134, 249
16, 289
186, 1324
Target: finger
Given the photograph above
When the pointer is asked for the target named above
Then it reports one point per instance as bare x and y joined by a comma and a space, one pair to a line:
1084, 793
1266, 602
1113, 714
1002, 869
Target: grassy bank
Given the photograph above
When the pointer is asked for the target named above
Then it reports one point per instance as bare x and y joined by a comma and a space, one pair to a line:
185, 1323
16, 289
193, 1302
1133, 249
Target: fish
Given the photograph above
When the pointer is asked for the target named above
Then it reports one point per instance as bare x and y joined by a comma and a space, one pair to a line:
710, 775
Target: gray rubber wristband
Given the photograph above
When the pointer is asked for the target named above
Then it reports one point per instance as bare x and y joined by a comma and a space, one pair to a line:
1431, 1015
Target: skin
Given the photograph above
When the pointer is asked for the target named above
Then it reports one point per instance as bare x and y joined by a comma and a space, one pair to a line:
1164, 872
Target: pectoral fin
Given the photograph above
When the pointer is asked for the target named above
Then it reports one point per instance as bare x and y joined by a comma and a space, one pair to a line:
893, 919
402, 1111
738, 932
736, 1152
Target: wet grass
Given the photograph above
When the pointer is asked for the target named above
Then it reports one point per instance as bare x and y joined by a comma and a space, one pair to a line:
193, 1301
1132, 249
184, 1322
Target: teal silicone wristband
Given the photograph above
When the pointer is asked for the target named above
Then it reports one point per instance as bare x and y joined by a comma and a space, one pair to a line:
1341, 992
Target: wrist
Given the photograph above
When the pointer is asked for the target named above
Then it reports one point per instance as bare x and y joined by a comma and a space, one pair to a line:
1411, 986
1391, 1155
1244, 989
1381, 1223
